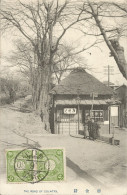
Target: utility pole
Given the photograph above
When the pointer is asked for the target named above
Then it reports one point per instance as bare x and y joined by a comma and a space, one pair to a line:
108, 76
92, 104
93, 95
78, 104
109, 110
108, 70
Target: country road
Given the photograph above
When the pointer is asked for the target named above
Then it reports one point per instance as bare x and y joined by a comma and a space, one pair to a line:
90, 165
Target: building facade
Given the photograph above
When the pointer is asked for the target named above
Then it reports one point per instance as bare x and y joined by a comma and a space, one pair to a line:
122, 96
77, 97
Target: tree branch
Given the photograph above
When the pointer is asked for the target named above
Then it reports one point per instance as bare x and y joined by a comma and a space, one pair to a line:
107, 41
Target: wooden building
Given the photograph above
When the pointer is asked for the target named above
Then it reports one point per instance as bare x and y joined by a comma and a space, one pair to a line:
122, 96
75, 98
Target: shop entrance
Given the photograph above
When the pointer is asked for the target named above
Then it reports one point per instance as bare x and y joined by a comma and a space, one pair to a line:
67, 121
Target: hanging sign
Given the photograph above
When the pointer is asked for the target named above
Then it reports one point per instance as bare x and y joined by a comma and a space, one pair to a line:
69, 110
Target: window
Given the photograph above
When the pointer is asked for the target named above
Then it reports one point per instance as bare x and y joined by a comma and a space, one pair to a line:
97, 115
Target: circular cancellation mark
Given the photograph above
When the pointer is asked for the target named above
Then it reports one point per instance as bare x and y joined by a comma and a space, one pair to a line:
31, 165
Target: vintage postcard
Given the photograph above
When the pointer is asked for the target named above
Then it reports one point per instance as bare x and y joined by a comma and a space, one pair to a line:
63, 97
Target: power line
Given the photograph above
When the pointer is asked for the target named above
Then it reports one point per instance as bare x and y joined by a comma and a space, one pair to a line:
108, 70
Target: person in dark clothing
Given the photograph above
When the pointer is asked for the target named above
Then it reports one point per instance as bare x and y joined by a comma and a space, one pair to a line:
89, 123
94, 130
97, 129
87, 128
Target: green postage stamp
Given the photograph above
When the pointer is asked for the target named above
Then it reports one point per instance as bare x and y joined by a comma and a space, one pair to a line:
35, 165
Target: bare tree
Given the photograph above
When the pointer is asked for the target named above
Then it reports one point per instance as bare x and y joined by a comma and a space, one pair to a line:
65, 60
109, 21
38, 23
23, 57
24, 60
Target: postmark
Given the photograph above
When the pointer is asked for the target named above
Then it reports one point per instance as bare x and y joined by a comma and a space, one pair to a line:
26, 165
34, 165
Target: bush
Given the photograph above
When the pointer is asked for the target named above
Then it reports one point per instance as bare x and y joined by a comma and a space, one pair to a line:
5, 100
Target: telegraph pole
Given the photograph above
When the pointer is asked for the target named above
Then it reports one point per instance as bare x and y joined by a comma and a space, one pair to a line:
108, 76
92, 101
93, 95
78, 104
108, 70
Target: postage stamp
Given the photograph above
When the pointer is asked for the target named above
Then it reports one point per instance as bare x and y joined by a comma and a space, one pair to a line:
34, 165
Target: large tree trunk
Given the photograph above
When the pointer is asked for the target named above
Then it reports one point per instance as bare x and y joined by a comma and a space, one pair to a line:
41, 97
33, 89
44, 99
122, 65
116, 50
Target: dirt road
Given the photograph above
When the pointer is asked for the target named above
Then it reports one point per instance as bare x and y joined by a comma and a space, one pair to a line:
91, 165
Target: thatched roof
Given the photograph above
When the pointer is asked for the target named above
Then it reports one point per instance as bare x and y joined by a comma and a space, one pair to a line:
110, 83
81, 82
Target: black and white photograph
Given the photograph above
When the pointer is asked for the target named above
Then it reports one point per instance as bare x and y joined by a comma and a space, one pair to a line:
63, 97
